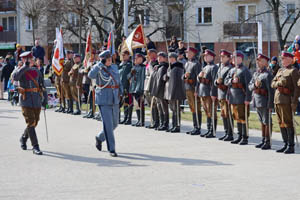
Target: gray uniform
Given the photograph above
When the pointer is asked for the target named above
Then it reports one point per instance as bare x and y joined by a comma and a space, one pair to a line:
137, 79
221, 74
107, 97
207, 86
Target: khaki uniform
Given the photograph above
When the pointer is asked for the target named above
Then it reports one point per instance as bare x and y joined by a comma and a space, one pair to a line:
75, 82
65, 79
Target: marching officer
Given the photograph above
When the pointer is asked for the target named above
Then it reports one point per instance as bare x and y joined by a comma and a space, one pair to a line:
65, 81
208, 92
33, 97
108, 98
158, 90
76, 83
125, 69
174, 90
192, 69
224, 67
263, 98
136, 77
239, 95
286, 100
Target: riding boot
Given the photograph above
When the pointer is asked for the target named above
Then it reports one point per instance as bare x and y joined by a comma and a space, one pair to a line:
59, 109
34, 141
138, 114
240, 130
244, 135
196, 130
173, 123
284, 135
125, 115
291, 141
229, 136
70, 110
128, 121
209, 127
225, 123
211, 133
143, 116
263, 133
23, 139
194, 124
77, 112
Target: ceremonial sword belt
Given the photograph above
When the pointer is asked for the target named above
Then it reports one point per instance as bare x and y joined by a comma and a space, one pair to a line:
284, 90
24, 90
222, 87
238, 85
109, 86
261, 91
189, 81
205, 81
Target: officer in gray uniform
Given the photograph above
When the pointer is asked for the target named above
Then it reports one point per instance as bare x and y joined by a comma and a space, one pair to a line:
263, 98
239, 95
137, 79
208, 91
224, 68
108, 98
33, 97
174, 90
125, 69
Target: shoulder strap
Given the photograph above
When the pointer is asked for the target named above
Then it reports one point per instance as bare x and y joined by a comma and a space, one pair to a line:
34, 81
110, 75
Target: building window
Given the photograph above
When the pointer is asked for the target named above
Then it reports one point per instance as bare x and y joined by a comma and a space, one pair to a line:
147, 17
73, 19
205, 15
290, 12
9, 23
4, 24
246, 13
28, 24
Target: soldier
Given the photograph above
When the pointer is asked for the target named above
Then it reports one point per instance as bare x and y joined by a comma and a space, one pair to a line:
65, 80
76, 83
263, 97
192, 69
208, 92
151, 100
33, 96
286, 100
125, 69
239, 95
107, 97
174, 90
224, 68
158, 90
58, 86
136, 77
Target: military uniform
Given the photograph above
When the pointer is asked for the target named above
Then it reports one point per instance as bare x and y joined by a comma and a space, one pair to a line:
65, 80
58, 86
206, 89
76, 86
238, 94
263, 98
286, 96
125, 69
33, 96
193, 67
88, 90
175, 93
137, 78
108, 98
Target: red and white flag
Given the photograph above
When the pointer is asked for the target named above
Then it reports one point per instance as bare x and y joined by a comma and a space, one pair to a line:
135, 40
88, 50
58, 56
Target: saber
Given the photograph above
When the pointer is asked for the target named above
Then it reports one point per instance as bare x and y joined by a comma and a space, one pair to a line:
151, 109
196, 106
295, 130
230, 118
88, 102
246, 117
78, 98
270, 126
46, 125
213, 117
178, 113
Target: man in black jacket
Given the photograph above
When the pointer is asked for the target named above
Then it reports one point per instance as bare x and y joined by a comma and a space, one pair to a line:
6, 72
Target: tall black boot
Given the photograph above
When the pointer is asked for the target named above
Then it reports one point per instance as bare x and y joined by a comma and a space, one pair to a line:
291, 141
138, 114
77, 112
173, 122
284, 135
63, 106
128, 121
59, 109
125, 115
196, 130
244, 135
161, 121
70, 111
209, 127
263, 133
240, 131
176, 124
225, 123
194, 124
23, 139
143, 116
229, 136
34, 141
267, 144
212, 134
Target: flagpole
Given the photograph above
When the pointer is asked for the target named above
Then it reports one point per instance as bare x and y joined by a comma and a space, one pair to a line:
126, 18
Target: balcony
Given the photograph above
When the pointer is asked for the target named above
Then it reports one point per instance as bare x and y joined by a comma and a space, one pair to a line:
8, 36
7, 5
235, 29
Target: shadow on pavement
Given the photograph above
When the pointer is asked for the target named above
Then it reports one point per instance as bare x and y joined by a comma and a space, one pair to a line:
7, 117
103, 162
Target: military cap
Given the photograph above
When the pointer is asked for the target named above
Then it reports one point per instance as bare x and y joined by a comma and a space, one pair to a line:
70, 52
26, 54
76, 55
224, 52
238, 53
139, 55
152, 51
105, 54
287, 54
209, 52
274, 58
262, 56
126, 52
173, 55
162, 54
192, 49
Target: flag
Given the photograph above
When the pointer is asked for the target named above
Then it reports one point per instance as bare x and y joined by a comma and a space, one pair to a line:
135, 40
58, 56
111, 43
88, 50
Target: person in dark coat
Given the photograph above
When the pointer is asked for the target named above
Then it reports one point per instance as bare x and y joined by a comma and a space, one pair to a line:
181, 49
173, 44
38, 51
174, 90
150, 44
274, 66
6, 72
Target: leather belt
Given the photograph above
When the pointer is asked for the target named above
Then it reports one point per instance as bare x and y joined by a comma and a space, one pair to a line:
24, 90
261, 91
189, 81
237, 85
109, 86
222, 87
284, 90
204, 81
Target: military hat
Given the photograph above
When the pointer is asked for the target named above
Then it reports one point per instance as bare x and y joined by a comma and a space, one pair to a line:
76, 55
105, 54
192, 49
262, 56
26, 54
70, 52
287, 54
238, 53
162, 54
224, 52
139, 55
274, 58
209, 52
152, 51
173, 55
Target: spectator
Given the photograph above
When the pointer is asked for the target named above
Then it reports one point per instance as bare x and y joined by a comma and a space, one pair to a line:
181, 49
6, 72
173, 44
274, 66
285, 47
38, 51
18, 52
296, 52
150, 44
39, 65
1, 82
